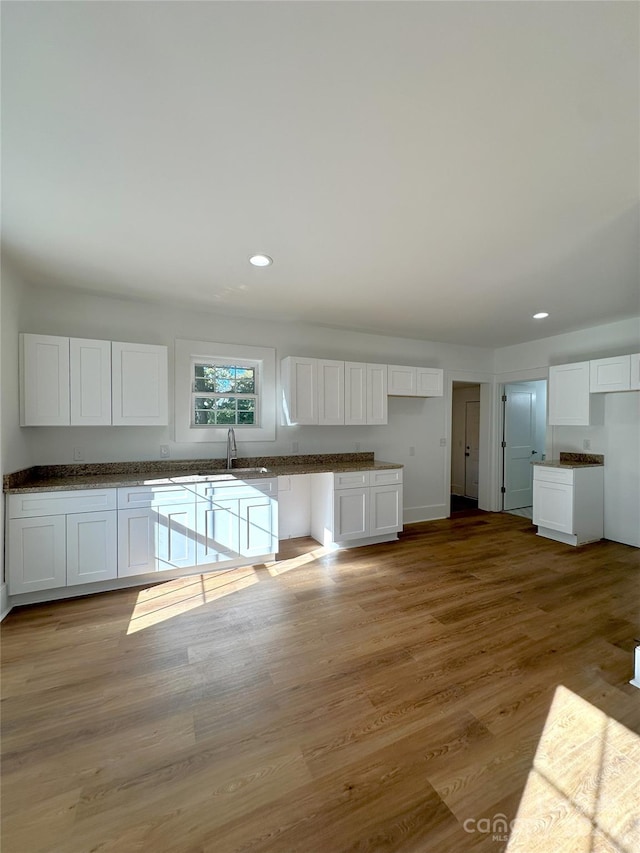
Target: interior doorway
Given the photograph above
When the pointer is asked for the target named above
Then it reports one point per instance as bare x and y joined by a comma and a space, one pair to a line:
465, 445
523, 441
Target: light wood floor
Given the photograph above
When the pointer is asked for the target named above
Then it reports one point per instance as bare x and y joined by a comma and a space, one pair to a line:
404, 697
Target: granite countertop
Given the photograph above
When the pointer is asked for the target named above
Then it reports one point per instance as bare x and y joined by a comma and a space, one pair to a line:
573, 460
113, 474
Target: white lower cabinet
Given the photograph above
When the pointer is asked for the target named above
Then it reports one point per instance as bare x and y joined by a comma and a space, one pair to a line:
568, 503
258, 526
175, 532
359, 507
136, 542
91, 547
37, 554
217, 531
51, 544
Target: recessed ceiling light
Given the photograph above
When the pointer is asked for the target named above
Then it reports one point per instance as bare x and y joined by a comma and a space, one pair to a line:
260, 260
540, 315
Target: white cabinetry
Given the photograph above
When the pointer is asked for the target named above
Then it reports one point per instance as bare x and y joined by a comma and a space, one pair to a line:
299, 379
634, 372
621, 373
83, 382
569, 402
139, 384
568, 503
90, 382
406, 381
330, 392
51, 544
44, 380
359, 507
377, 394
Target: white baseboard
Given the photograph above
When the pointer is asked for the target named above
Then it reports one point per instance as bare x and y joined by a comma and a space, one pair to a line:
5, 607
431, 512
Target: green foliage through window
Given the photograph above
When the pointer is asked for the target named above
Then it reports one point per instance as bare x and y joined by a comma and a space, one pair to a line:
225, 395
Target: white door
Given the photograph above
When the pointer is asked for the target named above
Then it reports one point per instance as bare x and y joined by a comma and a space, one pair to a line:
175, 531
90, 382
377, 412
136, 541
472, 448
355, 393
519, 438
350, 514
44, 380
386, 510
139, 384
330, 392
91, 547
553, 506
217, 531
37, 553
258, 526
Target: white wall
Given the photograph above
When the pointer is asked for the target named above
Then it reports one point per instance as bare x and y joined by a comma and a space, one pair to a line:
616, 437
416, 422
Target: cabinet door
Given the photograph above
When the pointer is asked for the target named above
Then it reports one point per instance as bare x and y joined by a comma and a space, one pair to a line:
569, 403
610, 374
377, 394
137, 541
90, 382
44, 380
217, 531
258, 526
355, 393
634, 383
553, 506
429, 382
330, 392
385, 509
402, 381
350, 514
175, 527
37, 554
139, 384
299, 377
91, 547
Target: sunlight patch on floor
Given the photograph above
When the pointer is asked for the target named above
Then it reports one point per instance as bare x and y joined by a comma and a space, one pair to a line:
165, 601
279, 568
581, 795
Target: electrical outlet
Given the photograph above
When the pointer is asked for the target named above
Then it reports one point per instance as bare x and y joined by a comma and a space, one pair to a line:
164, 451
78, 454
412, 451
586, 444
294, 446
443, 442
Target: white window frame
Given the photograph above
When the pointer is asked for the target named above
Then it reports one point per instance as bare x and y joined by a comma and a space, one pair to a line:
256, 366
187, 353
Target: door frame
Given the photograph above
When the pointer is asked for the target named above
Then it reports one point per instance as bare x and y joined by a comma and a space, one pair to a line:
487, 444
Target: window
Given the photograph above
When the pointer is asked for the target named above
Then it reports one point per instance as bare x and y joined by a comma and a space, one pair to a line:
218, 386
225, 395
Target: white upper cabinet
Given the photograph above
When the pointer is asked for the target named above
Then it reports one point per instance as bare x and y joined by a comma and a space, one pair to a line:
299, 378
377, 390
90, 382
610, 374
429, 382
569, 403
44, 380
139, 384
405, 381
330, 392
402, 381
355, 393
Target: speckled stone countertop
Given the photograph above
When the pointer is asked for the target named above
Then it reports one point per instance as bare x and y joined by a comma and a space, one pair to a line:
113, 474
574, 460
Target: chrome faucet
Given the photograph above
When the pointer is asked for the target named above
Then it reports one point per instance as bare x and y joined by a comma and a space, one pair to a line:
232, 449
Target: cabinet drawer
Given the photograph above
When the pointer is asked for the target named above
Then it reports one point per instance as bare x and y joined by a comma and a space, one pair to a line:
34, 504
388, 477
141, 496
351, 479
553, 475
241, 489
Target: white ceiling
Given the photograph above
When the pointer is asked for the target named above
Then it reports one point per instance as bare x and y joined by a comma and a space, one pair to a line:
425, 169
